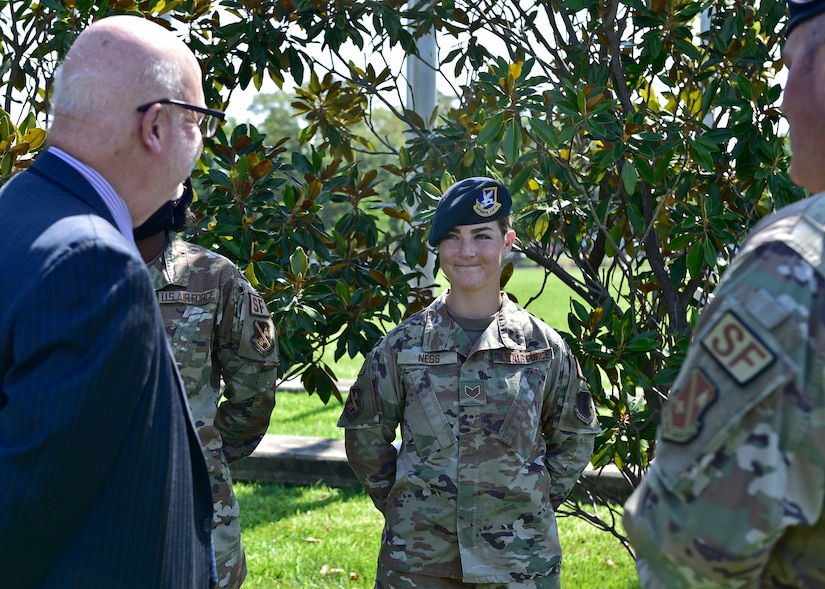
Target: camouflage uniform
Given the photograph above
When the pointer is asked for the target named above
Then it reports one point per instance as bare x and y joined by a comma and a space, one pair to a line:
735, 494
494, 434
219, 328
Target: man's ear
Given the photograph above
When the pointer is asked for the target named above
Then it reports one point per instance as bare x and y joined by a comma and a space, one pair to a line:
152, 128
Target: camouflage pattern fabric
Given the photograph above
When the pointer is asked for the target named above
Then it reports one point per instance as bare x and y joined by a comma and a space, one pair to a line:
735, 492
493, 435
220, 330
390, 579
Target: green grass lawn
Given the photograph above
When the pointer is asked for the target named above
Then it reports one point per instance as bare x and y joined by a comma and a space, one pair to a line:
301, 537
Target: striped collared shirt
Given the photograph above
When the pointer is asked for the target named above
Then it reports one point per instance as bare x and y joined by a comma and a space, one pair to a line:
110, 198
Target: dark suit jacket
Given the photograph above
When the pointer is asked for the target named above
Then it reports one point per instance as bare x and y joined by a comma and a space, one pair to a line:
102, 481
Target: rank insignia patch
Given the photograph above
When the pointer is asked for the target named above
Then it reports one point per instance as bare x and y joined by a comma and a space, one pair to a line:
487, 204
682, 414
472, 392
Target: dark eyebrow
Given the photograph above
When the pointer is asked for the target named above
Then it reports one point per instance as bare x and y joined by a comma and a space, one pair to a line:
474, 231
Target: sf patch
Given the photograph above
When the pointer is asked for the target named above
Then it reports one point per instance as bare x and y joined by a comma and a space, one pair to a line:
257, 306
682, 414
737, 348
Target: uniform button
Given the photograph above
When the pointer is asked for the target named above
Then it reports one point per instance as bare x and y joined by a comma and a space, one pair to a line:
207, 525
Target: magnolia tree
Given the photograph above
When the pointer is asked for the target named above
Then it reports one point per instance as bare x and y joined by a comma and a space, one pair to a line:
641, 140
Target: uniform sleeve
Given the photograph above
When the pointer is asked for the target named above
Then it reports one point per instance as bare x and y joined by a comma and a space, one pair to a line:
247, 352
571, 429
370, 415
738, 465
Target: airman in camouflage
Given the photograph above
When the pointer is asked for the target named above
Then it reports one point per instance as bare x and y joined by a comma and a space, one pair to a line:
220, 330
496, 422
734, 496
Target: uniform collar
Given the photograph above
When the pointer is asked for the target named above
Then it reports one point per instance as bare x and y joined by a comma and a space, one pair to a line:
172, 267
441, 332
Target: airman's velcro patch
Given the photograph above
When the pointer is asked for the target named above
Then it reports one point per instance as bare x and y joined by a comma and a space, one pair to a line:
355, 403
512, 357
682, 414
257, 306
263, 338
188, 298
427, 358
584, 407
737, 349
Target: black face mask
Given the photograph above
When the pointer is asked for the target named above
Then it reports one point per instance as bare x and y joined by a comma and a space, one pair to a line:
171, 215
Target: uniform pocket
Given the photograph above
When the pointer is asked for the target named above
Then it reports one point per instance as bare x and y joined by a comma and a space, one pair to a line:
423, 415
521, 428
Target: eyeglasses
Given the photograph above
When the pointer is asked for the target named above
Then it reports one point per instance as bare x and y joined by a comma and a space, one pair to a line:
210, 122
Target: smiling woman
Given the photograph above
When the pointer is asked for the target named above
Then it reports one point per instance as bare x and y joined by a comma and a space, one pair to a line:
494, 416
471, 258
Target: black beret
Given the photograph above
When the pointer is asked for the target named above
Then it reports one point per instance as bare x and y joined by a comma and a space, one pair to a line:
469, 202
802, 10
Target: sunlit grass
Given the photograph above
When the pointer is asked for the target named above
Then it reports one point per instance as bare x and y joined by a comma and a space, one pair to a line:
298, 414
308, 536
301, 537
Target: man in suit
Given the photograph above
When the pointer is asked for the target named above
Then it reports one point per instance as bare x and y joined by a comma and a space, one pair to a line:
102, 481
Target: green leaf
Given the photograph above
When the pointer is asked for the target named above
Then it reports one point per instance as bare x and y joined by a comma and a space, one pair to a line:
629, 177
634, 215
545, 132
541, 225
696, 259
492, 130
512, 142
298, 262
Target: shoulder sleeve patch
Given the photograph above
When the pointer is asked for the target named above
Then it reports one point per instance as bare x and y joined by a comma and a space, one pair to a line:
257, 306
355, 403
737, 348
362, 408
682, 414
258, 340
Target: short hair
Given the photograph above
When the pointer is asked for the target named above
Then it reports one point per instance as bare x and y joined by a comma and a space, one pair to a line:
505, 223
78, 90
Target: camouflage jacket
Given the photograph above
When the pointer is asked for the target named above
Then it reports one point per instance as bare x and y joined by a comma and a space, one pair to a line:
735, 493
220, 330
492, 434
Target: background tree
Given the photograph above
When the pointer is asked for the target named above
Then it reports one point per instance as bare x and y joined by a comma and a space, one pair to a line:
280, 124
642, 137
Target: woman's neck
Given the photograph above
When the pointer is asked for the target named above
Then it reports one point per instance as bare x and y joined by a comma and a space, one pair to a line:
473, 305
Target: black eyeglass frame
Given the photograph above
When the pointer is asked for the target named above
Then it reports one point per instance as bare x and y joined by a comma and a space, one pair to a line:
207, 129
